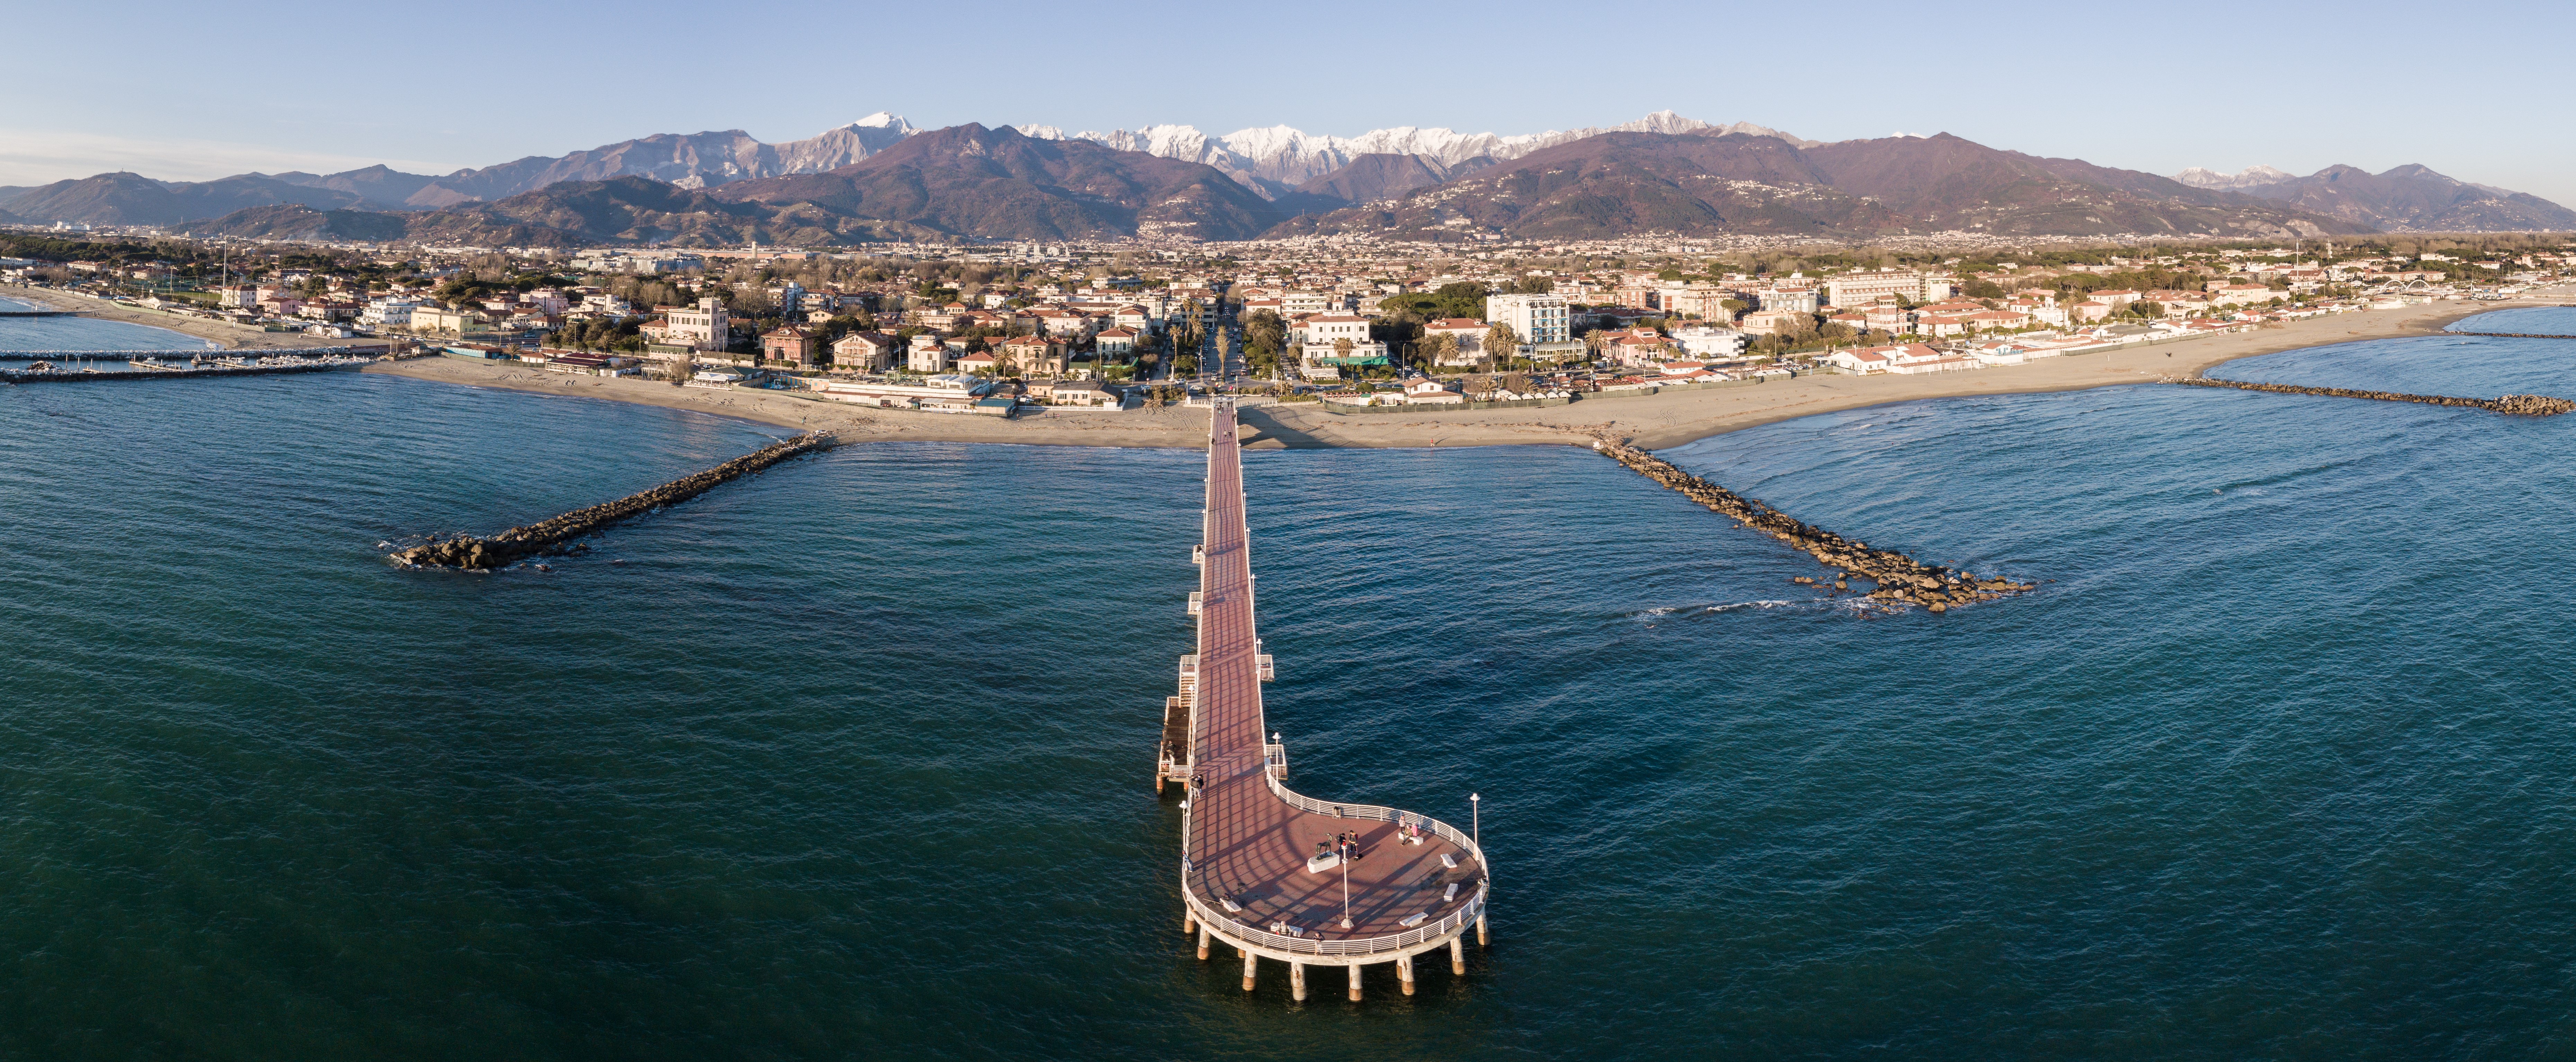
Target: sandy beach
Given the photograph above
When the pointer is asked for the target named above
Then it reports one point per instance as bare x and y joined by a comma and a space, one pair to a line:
225, 332
1651, 421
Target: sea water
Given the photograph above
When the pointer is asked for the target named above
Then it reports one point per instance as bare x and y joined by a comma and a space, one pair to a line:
82, 333
853, 758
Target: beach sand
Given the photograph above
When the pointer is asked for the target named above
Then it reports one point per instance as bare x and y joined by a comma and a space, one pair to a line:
225, 332
1651, 421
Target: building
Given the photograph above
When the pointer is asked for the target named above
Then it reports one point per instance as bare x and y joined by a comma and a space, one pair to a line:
1075, 393
1703, 341
1870, 360
1537, 319
1467, 332
864, 352
1121, 340
1853, 289
927, 355
1765, 322
700, 327
444, 321
1035, 355
2228, 294
1701, 299
1796, 298
389, 313
790, 344
1430, 392
1331, 342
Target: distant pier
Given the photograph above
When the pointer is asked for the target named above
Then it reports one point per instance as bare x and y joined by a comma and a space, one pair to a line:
34, 376
1268, 872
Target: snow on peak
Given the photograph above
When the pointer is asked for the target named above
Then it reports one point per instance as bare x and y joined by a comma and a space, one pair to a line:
884, 120
2249, 177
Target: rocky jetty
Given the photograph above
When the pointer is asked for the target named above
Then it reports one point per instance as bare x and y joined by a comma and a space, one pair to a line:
2513, 335
469, 552
2520, 405
1900, 579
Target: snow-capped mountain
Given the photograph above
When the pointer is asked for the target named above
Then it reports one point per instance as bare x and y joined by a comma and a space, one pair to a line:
2249, 177
1271, 159
835, 148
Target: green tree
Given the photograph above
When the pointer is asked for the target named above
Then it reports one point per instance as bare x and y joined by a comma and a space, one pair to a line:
1437, 349
1501, 343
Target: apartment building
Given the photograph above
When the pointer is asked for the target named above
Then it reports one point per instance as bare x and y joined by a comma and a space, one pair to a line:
1537, 319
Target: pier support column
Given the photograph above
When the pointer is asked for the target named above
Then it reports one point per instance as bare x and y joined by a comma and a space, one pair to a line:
1481, 939
1457, 955
1251, 963
1203, 943
1297, 981
1355, 982
1188, 921
1404, 972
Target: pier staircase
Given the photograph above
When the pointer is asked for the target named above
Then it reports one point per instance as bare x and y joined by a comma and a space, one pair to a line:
1176, 763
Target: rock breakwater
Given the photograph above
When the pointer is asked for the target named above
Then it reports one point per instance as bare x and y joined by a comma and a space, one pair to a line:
2519, 405
1900, 579
484, 554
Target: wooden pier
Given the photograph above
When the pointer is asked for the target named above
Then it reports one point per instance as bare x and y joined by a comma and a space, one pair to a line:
1266, 871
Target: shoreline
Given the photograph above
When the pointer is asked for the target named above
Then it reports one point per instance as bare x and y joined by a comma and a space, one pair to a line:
1650, 422
232, 336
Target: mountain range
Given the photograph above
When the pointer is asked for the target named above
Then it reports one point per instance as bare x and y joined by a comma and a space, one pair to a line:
881, 178
1727, 183
2402, 199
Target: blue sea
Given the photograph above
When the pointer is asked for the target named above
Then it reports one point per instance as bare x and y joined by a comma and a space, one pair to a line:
854, 758
18, 334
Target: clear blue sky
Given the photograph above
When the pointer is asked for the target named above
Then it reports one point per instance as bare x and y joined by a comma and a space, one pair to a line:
196, 90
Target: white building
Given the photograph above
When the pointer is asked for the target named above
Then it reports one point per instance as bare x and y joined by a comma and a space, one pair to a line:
928, 354
1536, 319
1319, 344
388, 313
1709, 343
1466, 332
699, 327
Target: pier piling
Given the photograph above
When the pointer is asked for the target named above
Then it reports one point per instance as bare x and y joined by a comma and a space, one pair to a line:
1458, 956
1251, 965
1355, 982
1404, 972
1203, 943
1481, 938
1297, 981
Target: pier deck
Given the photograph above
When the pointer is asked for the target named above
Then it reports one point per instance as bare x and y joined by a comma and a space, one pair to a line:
1249, 838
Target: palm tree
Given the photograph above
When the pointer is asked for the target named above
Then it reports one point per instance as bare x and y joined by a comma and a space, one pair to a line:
1500, 337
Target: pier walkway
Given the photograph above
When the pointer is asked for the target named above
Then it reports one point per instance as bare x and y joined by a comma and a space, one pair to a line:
1251, 876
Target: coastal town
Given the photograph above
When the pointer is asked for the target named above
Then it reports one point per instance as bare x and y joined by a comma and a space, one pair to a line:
1006, 329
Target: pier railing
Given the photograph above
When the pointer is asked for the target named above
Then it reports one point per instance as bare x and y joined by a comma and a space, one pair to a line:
1456, 921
